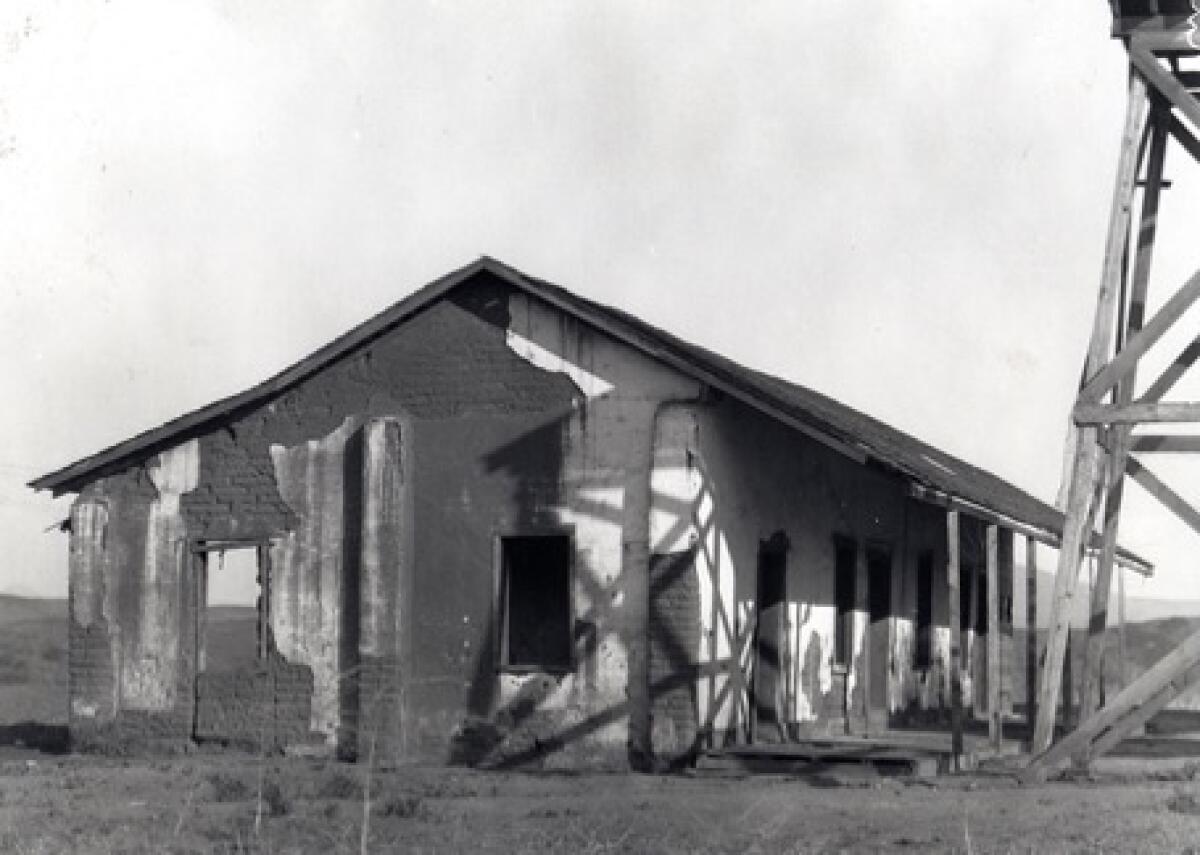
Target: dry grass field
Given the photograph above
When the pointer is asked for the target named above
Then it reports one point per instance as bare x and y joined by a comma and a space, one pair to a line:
213, 801
234, 803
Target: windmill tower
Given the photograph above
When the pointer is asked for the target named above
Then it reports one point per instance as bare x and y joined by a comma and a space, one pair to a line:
1164, 63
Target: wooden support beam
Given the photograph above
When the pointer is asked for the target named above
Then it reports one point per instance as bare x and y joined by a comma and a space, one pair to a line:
1086, 458
1007, 600
1171, 500
1165, 444
1164, 82
1122, 650
1125, 361
1068, 682
952, 600
1137, 413
1174, 41
1120, 717
1184, 136
1190, 79
994, 711
1031, 634
1131, 339
1113, 737
1171, 374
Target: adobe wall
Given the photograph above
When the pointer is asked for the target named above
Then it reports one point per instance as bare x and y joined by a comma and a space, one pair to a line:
380, 486
726, 479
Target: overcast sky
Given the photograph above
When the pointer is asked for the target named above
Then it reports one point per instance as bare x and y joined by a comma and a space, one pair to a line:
905, 210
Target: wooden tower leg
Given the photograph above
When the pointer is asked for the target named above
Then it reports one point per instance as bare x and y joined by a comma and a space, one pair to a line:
1087, 461
1120, 435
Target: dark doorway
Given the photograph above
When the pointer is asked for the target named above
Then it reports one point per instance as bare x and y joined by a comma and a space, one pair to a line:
879, 611
769, 639
232, 642
924, 653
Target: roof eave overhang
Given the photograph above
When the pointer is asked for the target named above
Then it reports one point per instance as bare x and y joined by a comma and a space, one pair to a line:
925, 493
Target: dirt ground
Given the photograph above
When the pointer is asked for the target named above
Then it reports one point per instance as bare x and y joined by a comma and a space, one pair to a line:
211, 803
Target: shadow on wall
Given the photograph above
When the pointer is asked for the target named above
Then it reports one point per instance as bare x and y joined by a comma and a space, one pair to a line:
524, 731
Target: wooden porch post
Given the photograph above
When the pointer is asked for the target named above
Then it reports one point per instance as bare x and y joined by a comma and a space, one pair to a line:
1031, 634
955, 675
993, 637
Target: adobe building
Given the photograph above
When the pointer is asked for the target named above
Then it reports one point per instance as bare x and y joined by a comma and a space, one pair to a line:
500, 523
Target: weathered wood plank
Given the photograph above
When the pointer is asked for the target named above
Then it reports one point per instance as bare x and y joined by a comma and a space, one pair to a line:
1164, 82
952, 601
1118, 716
1173, 372
1093, 657
1031, 635
1184, 136
1080, 498
1122, 650
1165, 444
994, 711
1111, 738
1171, 500
1173, 41
1137, 413
1125, 361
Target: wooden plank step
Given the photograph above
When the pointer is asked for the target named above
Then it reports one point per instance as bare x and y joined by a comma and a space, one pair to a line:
800, 759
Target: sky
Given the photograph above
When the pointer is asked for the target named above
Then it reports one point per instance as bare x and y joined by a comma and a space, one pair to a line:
904, 210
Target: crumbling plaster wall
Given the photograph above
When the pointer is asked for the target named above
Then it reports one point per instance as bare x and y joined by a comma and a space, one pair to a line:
381, 484
599, 713
726, 479
130, 582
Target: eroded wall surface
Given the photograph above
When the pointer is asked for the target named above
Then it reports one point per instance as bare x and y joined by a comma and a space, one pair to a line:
726, 481
379, 487
378, 490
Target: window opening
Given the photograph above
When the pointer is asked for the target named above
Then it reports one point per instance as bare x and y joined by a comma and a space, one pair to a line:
535, 603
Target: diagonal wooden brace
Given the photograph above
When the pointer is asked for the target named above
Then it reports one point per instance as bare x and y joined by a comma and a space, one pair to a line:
1105, 729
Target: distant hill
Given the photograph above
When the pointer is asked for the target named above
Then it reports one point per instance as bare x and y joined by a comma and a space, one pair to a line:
33, 660
33, 652
1136, 608
1146, 609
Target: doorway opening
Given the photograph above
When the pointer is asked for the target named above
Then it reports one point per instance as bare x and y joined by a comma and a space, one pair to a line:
879, 614
769, 642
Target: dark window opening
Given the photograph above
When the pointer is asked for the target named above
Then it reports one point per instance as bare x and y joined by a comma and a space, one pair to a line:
232, 631
844, 592
770, 631
879, 584
535, 603
924, 655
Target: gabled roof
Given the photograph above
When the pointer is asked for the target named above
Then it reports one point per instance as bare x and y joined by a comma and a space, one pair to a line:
849, 431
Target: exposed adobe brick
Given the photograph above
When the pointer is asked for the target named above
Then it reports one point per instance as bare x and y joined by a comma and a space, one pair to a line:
674, 644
